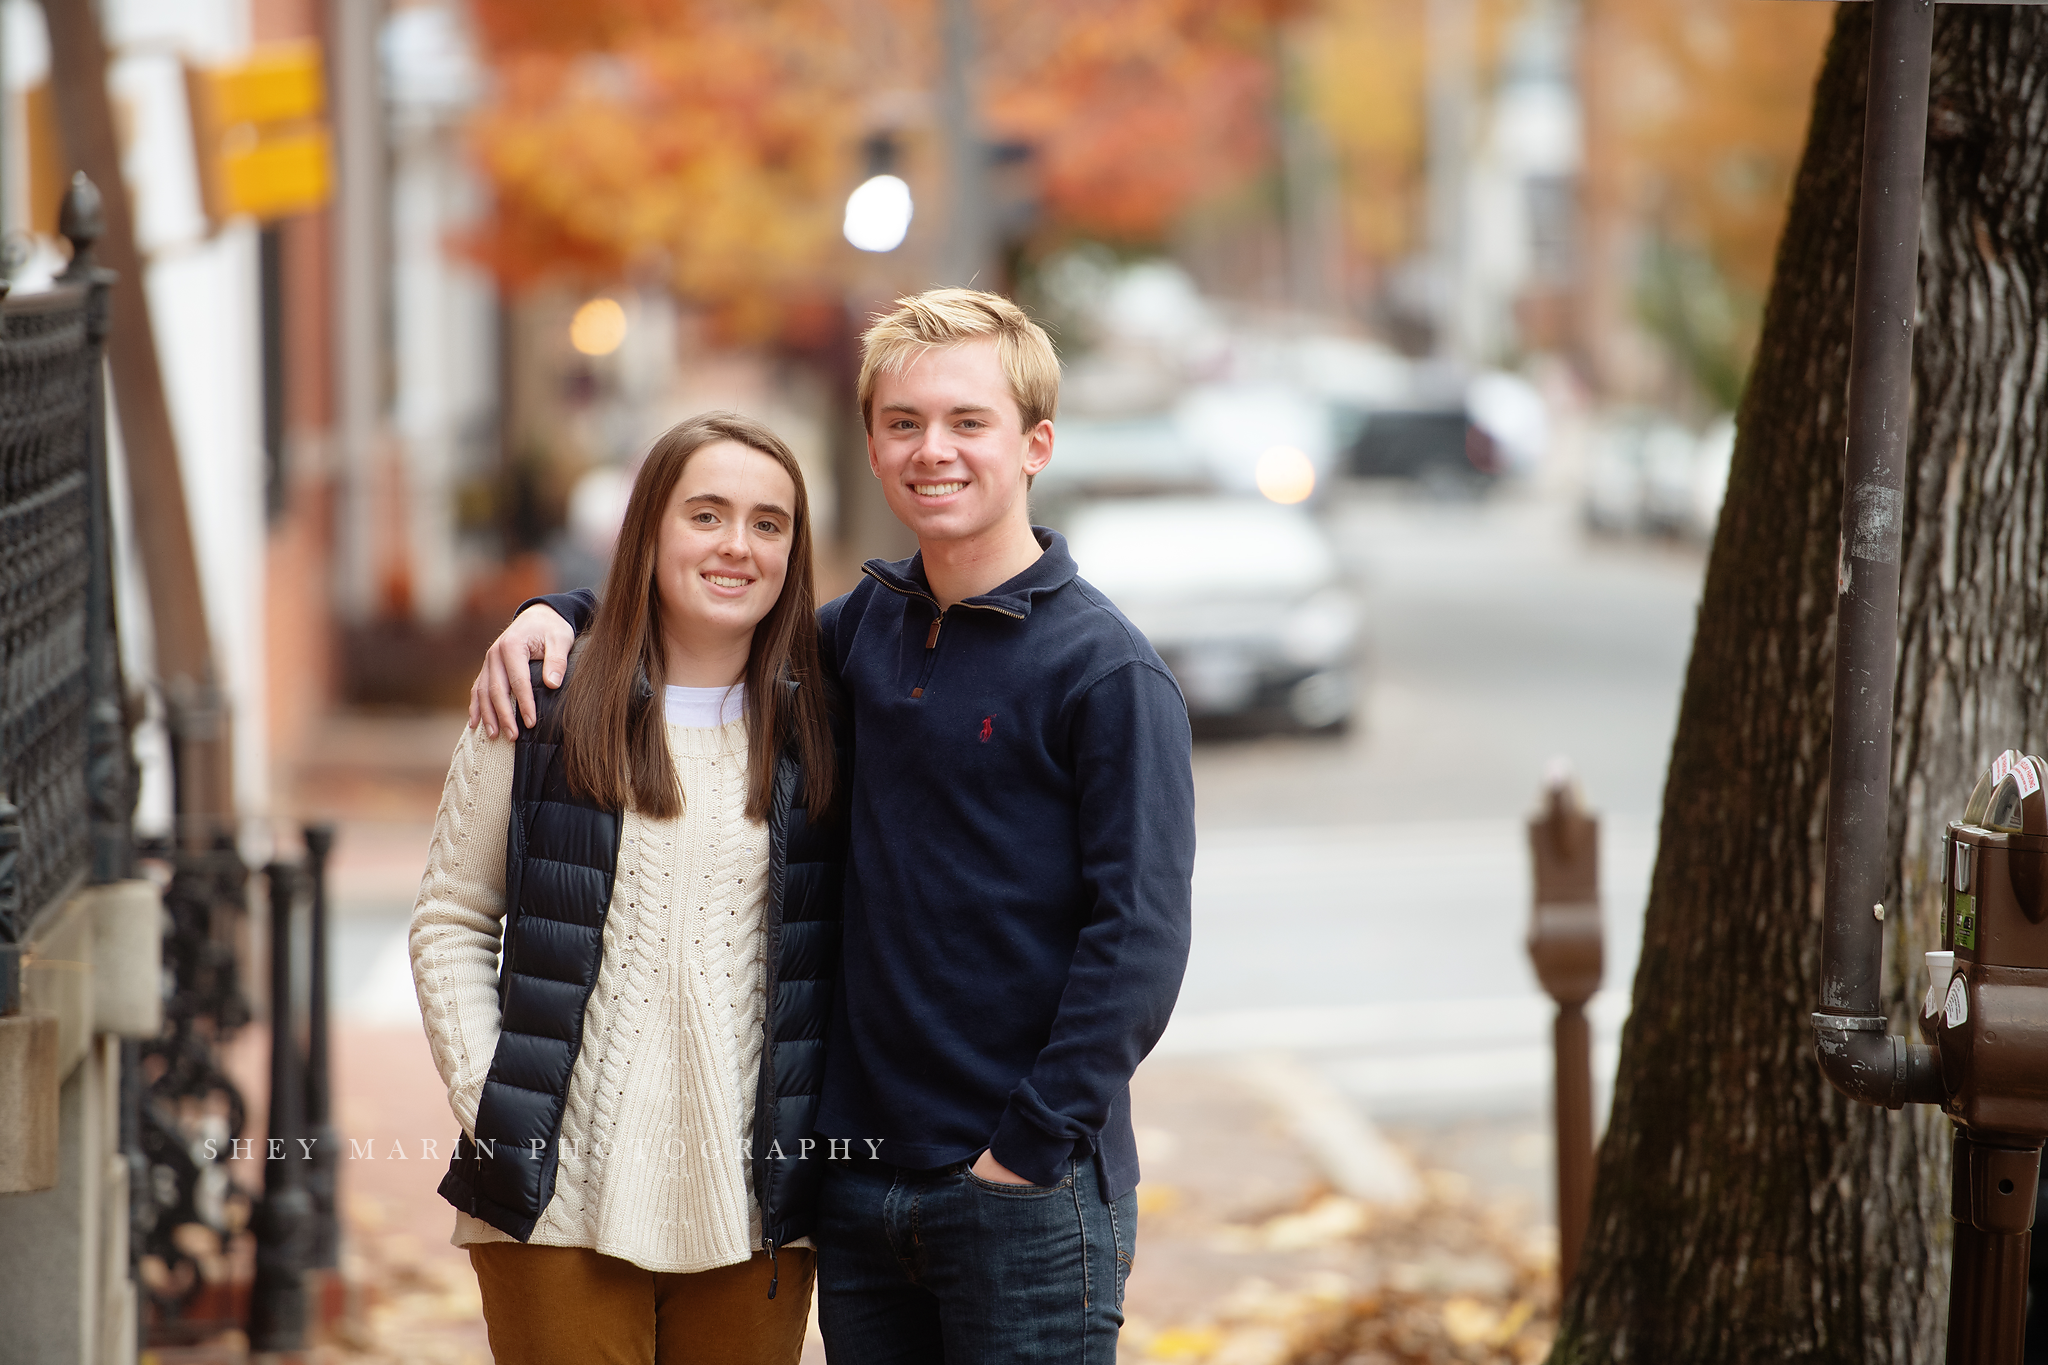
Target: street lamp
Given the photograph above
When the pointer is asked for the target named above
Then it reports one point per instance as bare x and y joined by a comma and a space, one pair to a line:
599, 327
878, 213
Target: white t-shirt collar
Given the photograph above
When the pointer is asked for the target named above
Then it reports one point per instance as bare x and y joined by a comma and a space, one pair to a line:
705, 708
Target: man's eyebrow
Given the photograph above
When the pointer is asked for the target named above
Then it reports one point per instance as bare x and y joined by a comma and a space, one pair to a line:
956, 410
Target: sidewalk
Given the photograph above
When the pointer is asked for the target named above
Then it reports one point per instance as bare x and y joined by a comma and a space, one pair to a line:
1250, 1252
1247, 1254
1276, 1225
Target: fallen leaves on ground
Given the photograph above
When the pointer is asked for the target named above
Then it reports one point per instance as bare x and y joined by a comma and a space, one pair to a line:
1454, 1281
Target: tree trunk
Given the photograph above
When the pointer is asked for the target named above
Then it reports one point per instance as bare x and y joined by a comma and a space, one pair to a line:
1745, 1211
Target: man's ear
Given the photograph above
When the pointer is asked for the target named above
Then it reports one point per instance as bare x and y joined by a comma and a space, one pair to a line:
1038, 448
874, 465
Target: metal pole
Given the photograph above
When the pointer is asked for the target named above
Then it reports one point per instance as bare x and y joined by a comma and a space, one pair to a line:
1873, 500
1450, 28
277, 1300
107, 781
970, 257
270, 292
324, 1253
360, 231
1573, 1096
1565, 944
1987, 1298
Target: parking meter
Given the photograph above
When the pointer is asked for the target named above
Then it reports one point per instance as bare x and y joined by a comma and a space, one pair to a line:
1986, 1009
1565, 946
1992, 1028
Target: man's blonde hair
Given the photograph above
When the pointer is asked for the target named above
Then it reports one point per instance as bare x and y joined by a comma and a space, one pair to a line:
948, 317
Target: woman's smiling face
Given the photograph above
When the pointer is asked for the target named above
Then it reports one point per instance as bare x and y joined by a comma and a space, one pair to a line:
724, 548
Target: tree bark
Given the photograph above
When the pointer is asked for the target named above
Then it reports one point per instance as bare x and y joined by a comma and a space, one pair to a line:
1744, 1211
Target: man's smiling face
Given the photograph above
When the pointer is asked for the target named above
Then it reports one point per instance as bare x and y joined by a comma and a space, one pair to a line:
948, 445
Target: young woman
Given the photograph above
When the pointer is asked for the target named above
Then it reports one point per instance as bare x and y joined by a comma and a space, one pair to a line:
626, 934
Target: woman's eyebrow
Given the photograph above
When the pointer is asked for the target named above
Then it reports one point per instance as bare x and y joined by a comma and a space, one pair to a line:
720, 500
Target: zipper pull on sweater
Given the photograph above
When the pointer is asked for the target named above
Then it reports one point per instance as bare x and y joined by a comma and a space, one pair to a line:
931, 638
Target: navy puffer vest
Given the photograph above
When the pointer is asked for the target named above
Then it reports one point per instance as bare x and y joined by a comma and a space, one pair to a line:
560, 859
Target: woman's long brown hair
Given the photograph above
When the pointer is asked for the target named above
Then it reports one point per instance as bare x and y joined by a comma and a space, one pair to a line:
614, 727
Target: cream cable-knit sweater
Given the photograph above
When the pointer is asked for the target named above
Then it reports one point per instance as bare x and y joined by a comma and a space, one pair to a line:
662, 1094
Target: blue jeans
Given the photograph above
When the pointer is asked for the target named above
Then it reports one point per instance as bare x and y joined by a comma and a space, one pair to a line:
934, 1266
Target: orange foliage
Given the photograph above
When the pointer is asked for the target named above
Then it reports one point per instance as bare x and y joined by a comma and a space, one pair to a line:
712, 142
1723, 149
1137, 108
1699, 113
1367, 73
703, 143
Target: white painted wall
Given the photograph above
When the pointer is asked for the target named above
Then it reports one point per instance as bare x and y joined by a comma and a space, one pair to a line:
203, 296
444, 321
1533, 129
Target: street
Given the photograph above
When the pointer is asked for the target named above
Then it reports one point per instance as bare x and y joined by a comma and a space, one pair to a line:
1365, 898
1360, 907
1360, 898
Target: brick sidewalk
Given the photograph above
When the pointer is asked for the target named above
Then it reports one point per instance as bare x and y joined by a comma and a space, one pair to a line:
1246, 1255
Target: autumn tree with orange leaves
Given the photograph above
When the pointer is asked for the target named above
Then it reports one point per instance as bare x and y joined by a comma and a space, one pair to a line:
1697, 111
711, 143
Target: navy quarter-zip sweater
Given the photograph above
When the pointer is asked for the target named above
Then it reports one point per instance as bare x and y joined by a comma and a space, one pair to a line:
1017, 892
1018, 881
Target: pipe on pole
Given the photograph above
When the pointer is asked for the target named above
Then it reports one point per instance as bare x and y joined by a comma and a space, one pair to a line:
1873, 506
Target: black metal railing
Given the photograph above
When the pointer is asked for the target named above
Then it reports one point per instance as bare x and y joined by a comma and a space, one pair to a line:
58, 660
67, 800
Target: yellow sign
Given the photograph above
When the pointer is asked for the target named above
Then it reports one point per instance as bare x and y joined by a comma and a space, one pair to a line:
279, 83
262, 149
277, 175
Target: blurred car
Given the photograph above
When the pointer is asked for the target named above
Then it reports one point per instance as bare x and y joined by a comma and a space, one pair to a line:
1454, 434
1277, 440
1441, 448
1097, 457
1242, 596
1649, 473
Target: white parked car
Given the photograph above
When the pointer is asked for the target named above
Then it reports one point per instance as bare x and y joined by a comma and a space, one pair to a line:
1243, 597
1649, 473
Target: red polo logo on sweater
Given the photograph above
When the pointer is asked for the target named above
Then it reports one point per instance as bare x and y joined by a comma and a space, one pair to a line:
988, 728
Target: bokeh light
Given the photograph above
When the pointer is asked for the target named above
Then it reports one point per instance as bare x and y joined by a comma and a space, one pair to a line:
599, 327
878, 214
1284, 474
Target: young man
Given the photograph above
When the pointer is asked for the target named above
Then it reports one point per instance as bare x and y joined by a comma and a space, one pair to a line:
1017, 899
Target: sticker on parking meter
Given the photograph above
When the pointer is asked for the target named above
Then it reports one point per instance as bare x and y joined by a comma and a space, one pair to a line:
1958, 1012
1966, 922
2002, 765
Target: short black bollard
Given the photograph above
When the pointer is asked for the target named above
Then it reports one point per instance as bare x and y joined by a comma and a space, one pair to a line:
325, 1250
283, 1223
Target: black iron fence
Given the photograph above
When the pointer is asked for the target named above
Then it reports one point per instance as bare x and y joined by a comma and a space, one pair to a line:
67, 798
59, 669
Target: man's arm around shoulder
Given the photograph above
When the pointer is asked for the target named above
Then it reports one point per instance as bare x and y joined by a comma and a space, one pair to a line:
544, 629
